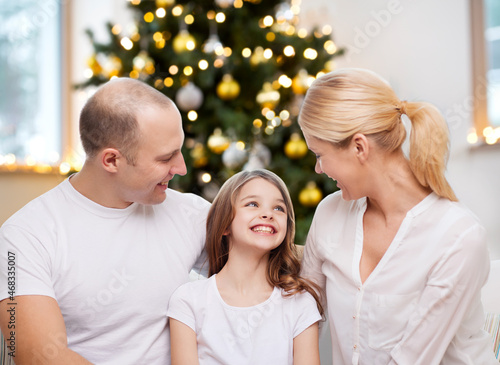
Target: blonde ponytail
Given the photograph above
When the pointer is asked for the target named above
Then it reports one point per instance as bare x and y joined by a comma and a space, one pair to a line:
348, 101
429, 147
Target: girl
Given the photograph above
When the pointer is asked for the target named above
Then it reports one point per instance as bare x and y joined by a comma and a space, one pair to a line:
254, 308
403, 262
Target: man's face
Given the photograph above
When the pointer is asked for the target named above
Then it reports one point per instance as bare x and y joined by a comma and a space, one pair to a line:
158, 157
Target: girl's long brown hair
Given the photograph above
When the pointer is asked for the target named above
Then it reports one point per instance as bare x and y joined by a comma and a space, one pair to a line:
283, 268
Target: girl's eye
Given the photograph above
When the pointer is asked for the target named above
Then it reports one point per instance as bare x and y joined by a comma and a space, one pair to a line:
280, 208
251, 204
317, 157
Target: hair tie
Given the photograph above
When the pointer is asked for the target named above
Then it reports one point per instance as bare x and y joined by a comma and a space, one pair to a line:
402, 107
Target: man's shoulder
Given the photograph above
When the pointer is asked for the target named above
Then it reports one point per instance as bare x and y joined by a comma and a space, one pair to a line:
185, 201
40, 207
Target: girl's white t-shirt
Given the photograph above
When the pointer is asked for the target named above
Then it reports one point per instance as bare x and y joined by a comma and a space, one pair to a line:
260, 334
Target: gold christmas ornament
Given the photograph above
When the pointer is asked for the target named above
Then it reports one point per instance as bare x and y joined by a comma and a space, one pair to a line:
113, 66
218, 143
300, 82
164, 3
94, 65
257, 56
296, 147
268, 97
311, 195
228, 88
183, 42
143, 63
199, 155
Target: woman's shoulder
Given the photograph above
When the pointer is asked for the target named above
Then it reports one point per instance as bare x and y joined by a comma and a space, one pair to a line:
453, 212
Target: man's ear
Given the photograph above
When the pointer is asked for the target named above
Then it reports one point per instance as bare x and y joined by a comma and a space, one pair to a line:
361, 147
110, 159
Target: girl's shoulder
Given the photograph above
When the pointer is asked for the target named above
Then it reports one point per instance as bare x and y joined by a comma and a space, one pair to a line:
302, 299
193, 288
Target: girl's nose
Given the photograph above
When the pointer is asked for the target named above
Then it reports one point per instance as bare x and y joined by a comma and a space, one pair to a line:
266, 216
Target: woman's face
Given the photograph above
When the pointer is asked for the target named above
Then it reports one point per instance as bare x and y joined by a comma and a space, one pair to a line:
339, 164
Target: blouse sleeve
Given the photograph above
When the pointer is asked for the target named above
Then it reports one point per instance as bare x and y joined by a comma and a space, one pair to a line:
312, 261
453, 285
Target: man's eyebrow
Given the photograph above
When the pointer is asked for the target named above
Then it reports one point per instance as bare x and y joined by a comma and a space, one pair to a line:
169, 155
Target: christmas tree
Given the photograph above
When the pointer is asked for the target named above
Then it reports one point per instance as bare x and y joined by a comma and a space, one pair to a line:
238, 71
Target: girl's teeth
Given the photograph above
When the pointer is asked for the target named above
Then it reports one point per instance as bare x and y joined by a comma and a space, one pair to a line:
263, 229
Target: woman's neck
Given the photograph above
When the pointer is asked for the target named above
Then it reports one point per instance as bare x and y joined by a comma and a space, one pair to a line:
396, 190
242, 282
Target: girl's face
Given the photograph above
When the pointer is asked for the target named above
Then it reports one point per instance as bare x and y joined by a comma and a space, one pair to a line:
260, 220
339, 164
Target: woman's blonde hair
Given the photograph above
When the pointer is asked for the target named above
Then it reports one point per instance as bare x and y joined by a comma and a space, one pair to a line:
348, 101
283, 269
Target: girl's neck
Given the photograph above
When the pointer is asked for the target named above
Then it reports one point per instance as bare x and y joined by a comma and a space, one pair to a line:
242, 282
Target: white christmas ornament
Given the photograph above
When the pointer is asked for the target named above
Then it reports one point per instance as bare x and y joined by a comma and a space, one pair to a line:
224, 3
212, 43
254, 163
234, 155
189, 97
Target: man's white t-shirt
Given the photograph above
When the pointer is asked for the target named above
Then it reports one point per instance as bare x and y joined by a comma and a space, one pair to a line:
421, 305
226, 335
112, 271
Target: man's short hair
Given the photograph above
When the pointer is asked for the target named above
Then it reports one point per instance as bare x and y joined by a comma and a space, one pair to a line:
109, 118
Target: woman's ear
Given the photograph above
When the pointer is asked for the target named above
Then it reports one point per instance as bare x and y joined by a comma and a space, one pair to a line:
361, 147
110, 159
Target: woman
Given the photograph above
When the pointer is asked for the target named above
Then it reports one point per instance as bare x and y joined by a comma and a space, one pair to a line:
402, 262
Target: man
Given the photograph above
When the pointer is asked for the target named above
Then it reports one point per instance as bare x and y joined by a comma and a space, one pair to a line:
87, 269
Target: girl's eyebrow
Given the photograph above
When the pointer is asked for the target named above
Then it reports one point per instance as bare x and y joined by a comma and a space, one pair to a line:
257, 196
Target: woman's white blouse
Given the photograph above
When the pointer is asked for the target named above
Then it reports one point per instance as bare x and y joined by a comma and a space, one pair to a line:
421, 304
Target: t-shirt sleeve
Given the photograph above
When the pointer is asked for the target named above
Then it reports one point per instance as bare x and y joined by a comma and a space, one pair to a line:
306, 312
180, 306
24, 263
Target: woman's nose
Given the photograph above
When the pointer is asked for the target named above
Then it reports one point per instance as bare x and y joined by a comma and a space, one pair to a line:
317, 168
